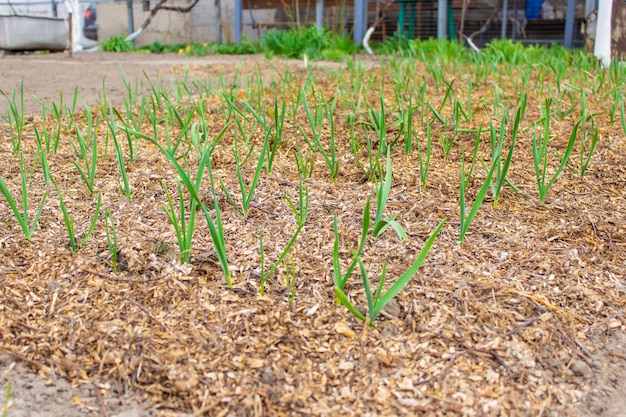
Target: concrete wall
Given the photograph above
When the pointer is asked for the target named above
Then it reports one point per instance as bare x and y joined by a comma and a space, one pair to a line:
39, 8
199, 26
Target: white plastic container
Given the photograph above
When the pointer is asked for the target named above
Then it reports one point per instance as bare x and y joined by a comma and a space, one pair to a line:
31, 33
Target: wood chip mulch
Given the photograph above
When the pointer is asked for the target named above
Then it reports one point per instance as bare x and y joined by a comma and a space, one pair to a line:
490, 327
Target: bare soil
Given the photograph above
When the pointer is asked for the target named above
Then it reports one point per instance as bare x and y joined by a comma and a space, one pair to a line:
46, 76
524, 318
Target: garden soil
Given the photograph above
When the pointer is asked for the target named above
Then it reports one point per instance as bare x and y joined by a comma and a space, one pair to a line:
524, 318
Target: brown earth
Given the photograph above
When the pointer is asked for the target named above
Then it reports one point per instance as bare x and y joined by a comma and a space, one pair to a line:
524, 318
48, 75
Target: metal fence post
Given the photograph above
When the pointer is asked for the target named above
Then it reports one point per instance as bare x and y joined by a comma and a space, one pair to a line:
238, 19
442, 16
319, 14
569, 23
360, 20
131, 18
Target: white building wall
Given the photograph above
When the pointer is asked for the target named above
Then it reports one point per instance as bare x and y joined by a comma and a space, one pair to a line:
198, 26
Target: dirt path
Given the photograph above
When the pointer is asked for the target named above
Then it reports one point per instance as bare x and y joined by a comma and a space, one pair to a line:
47, 75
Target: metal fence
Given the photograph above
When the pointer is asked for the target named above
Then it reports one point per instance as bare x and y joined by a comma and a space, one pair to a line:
526, 21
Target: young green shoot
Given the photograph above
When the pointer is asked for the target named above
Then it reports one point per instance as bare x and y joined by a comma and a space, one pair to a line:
588, 142
83, 138
111, 234
7, 399
291, 278
466, 220
216, 228
15, 117
377, 301
28, 228
246, 194
69, 221
540, 154
409, 131
437, 115
57, 111
41, 154
622, 116
340, 279
305, 163
122, 168
424, 158
183, 226
382, 195
589, 134
300, 213
88, 174
315, 122
130, 140
502, 168
447, 140
119, 154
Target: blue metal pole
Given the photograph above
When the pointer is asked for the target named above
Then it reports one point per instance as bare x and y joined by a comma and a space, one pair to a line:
319, 14
569, 23
238, 20
131, 18
505, 12
442, 18
360, 20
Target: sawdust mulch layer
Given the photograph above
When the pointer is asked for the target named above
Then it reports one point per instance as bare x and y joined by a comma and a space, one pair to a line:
503, 324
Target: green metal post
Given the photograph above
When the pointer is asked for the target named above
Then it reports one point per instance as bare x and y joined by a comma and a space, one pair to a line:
451, 28
401, 18
412, 20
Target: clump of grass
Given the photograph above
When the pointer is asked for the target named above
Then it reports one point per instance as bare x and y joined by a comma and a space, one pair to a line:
311, 41
116, 44
243, 48
424, 50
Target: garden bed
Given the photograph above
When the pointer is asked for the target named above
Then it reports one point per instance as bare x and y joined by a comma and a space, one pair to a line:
524, 316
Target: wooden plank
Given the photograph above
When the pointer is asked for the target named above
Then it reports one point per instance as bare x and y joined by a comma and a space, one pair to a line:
618, 30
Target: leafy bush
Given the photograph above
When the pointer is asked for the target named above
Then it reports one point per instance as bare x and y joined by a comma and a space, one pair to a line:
117, 44
423, 50
243, 48
315, 43
156, 47
507, 51
339, 47
397, 44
